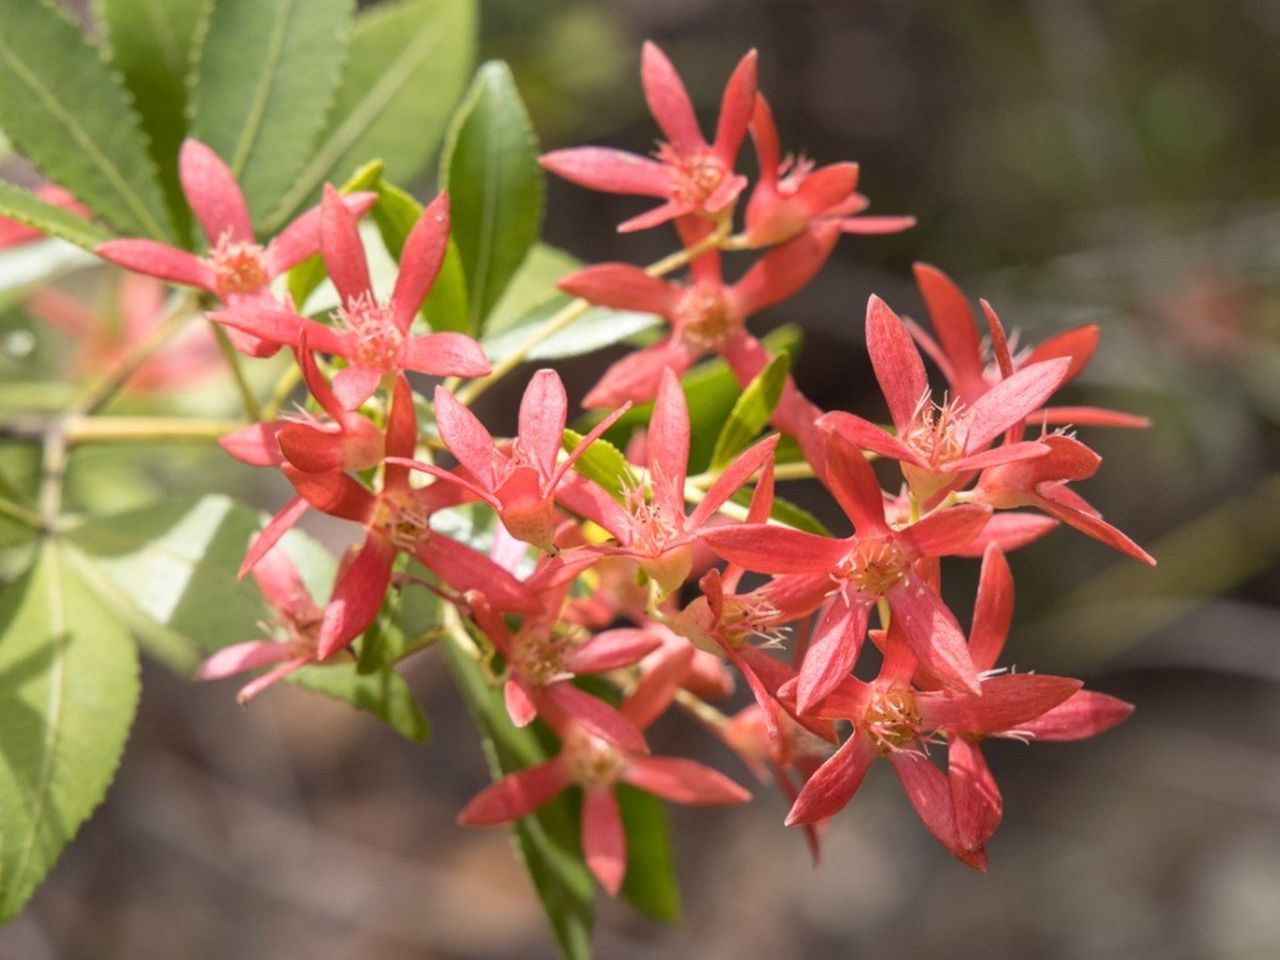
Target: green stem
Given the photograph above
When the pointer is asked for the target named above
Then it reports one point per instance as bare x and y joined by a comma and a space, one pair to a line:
291, 377
20, 514
252, 409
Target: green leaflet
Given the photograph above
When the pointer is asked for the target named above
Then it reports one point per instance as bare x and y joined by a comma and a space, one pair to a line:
70, 115
264, 81
751, 411
68, 691
383, 694
152, 43
18, 204
490, 168
531, 295
548, 840
603, 463
407, 65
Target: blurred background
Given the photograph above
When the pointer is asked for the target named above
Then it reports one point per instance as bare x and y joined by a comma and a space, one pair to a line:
1072, 162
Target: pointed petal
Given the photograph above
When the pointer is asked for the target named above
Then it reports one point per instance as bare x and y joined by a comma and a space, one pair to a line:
683, 781
867, 436
213, 194
612, 171
735, 109
301, 238
1005, 453
636, 376
401, 437
898, 367
563, 703
1009, 530
977, 800
337, 494
283, 588
544, 410
1076, 345
1085, 713
344, 257
446, 355
464, 569
271, 678
611, 650
930, 795
240, 657
876, 226
604, 844
161, 261
1050, 500
851, 480
825, 188
590, 437
270, 535
355, 384
932, 633
1088, 417
768, 707
834, 783
357, 596
623, 287
785, 270
993, 610
955, 327
659, 215
420, 261
658, 686
771, 549
256, 445
669, 445
1006, 702
467, 439
668, 101
1011, 400
520, 708
764, 133
516, 794
732, 479
944, 533
833, 651
309, 448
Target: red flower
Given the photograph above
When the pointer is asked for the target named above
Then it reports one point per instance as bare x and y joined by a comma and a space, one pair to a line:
790, 194
877, 561
690, 175
705, 316
597, 766
958, 353
236, 269
374, 337
938, 445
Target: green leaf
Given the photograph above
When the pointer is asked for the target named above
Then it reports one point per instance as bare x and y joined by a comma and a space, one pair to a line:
310, 273
264, 82
596, 329
408, 621
751, 411
532, 289
383, 694
547, 840
650, 884
490, 168
152, 43
18, 204
787, 512
603, 463
68, 692
407, 65
69, 114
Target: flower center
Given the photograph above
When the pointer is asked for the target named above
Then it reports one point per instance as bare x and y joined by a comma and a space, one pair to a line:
240, 266
936, 432
695, 176
747, 616
892, 719
404, 521
874, 566
704, 316
379, 342
538, 656
592, 762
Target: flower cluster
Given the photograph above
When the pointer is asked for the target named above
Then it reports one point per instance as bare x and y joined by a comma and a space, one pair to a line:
658, 586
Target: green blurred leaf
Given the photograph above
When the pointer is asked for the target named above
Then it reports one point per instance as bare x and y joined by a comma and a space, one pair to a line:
70, 115
548, 840
490, 168
751, 411
603, 463
531, 295
786, 512
264, 81
18, 204
596, 329
152, 43
68, 692
407, 65
383, 694
408, 621
650, 884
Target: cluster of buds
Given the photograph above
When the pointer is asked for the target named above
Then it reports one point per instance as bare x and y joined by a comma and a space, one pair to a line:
639, 584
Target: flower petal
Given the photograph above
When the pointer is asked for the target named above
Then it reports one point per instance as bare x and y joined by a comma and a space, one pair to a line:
420, 261
635, 378
516, 794
993, 610
735, 109
1006, 702
785, 270
446, 355
834, 783
956, 329
520, 708
604, 844
337, 494
851, 480
161, 261
355, 384
1011, 400
467, 439
668, 101
544, 410
464, 569
611, 171
896, 361
683, 781
1085, 713
771, 549
975, 796
833, 651
611, 650
344, 257
623, 287
213, 195
933, 634
255, 445
669, 445
301, 238
357, 596
944, 533
240, 657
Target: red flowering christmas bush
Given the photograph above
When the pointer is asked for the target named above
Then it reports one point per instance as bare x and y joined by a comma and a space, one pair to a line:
582, 582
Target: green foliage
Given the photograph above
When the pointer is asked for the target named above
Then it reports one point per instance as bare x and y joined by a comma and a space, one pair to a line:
70, 115
310, 273
547, 840
266, 76
490, 168
650, 884
383, 694
603, 463
407, 65
751, 411
18, 204
153, 45
68, 691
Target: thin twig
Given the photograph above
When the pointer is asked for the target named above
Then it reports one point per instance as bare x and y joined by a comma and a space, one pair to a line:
252, 408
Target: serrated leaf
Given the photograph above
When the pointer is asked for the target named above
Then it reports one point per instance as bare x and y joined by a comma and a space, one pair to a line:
407, 65
490, 168
751, 411
18, 204
603, 463
69, 114
383, 694
548, 839
264, 81
68, 692
152, 44
531, 289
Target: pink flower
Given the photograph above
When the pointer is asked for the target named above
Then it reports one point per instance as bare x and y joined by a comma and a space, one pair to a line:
707, 316
877, 561
374, 337
790, 194
938, 445
690, 175
958, 353
236, 269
